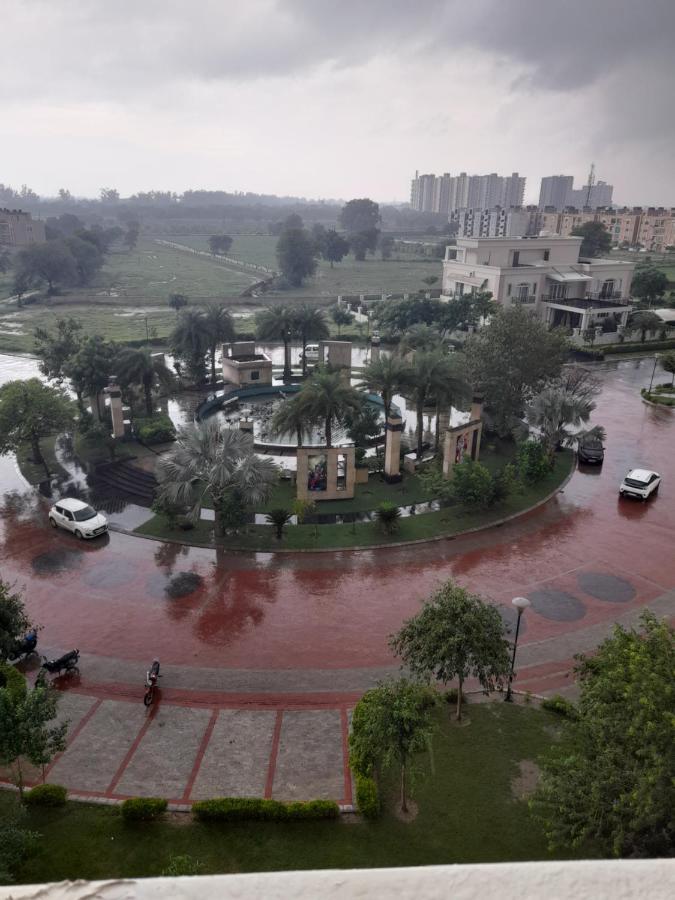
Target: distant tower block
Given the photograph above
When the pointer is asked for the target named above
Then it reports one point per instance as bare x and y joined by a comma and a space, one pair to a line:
116, 412
392, 448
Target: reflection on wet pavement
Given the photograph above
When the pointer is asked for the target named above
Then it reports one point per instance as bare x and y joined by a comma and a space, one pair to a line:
582, 558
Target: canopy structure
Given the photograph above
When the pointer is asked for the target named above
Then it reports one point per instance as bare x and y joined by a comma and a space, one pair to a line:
567, 277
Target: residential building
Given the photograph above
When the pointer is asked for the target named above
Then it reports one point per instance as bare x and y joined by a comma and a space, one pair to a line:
446, 193
496, 222
19, 229
544, 273
555, 190
652, 228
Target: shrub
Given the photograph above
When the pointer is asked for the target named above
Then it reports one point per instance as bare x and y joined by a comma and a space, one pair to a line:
13, 680
240, 809
15, 845
182, 865
388, 515
561, 706
450, 696
46, 795
143, 809
170, 510
533, 464
156, 429
367, 797
473, 484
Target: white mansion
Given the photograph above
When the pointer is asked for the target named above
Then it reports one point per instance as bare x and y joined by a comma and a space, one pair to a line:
546, 274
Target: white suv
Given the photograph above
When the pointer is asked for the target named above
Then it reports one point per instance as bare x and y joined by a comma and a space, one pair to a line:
640, 483
78, 517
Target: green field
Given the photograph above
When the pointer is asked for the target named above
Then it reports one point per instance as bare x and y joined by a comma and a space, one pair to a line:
373, 276
471, 810
135, 285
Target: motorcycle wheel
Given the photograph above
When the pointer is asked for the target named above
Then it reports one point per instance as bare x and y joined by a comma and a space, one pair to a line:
148, 698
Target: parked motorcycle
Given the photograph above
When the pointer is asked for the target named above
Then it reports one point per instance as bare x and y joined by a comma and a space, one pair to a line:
66, 663
25, 647
151, 682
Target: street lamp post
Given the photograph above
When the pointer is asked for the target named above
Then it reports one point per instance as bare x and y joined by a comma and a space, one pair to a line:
521, 604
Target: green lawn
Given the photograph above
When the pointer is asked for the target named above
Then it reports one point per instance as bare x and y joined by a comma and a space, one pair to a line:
449, 521
373, 276
469, 812
35, 472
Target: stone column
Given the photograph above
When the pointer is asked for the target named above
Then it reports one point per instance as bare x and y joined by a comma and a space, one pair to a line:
374, 348
246, 424
392, 448
116, 413
476, 407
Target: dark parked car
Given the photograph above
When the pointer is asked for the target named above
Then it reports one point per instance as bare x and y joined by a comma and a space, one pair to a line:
590, 450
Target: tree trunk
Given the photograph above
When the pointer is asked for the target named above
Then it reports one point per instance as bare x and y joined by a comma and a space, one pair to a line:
298, 434
420, 428
329, 431
147, 388
213, 365
287, 360
217, 522
459, 699
304, 356
19, 778
37, 452
404, 801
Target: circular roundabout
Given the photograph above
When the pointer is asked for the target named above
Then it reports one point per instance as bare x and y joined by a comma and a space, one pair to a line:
266, 654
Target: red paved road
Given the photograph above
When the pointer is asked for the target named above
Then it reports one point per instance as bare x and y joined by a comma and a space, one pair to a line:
335, 611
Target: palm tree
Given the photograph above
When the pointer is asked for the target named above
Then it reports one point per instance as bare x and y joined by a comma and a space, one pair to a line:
292, 416
279, 517
190, 340
326, 397
420, 337
311, 325
219, 328
384, 376
552, 410
277, 323
431, 374
452, 389
139, 366
214, 461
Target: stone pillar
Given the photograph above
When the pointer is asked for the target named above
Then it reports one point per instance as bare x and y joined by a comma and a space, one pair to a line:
246, 424
374, 348
392, 448
443, 422
476, 407
116, 413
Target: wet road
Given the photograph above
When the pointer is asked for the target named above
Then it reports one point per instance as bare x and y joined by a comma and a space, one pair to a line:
583, 560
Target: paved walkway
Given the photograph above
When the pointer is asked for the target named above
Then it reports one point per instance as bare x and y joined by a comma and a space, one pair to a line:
264, 656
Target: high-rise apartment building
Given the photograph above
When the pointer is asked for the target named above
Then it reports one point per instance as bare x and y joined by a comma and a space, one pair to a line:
652, 228
445, 193
558, 192
555, 190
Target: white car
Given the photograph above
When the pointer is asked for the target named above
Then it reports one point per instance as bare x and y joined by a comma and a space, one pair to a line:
78, 517
640, 483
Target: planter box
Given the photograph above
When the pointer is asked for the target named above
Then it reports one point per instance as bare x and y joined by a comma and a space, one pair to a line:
361, 475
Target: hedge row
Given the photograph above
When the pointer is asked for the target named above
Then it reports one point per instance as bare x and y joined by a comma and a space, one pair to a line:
367, 797
143, 809
46, 795
239, 809
639, 348
560, 705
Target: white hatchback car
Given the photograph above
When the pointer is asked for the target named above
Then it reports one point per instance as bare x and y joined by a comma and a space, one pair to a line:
78, 517
640, 483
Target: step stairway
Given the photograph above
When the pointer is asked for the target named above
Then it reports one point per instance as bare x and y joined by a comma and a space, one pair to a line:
125, 479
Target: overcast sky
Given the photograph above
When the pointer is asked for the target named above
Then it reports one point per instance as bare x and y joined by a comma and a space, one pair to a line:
335, 98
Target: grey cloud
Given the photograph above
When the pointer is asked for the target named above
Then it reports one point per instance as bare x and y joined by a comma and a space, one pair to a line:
128, 46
